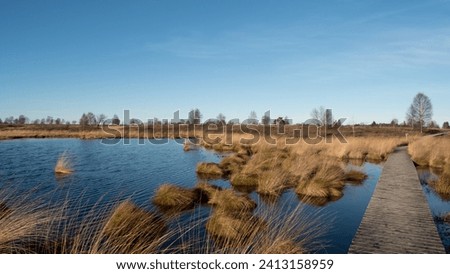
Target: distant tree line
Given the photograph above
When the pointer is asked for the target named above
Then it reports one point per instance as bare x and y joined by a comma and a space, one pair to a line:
86, 119
419, 115
23, 120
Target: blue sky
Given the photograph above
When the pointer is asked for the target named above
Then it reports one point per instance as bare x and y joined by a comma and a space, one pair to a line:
364, 59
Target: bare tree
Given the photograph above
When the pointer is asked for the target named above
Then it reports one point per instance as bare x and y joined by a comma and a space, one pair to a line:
195, 116
319, 114
23, 120
420, 112
101, 118
433, 124
49, 120
9, 120
88, 119
394, 122
115, 120
221, 118
1, 122
92, 118
252, 118
136, 122
84, 120
265, 119
280, 121
446, 125
58, 121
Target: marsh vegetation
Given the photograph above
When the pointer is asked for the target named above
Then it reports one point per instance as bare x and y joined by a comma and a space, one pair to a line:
249, 199
434, 152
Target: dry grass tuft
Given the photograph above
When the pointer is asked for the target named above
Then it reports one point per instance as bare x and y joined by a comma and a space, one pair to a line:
283, 246
230, 227
4, 210
272, 183
317, 201
267, 170
131, 230
233, 164
186, 146
172, 196
21, 225
271, 231
320, 189
442, 185
63, 166
207, 191
230, 201
244, 179
355, 176
209, 170
321, 179
220, 147
447, 218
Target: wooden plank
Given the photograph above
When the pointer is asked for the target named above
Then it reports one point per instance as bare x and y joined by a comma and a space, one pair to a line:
398, 219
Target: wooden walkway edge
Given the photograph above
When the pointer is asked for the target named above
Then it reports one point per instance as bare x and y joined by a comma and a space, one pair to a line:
398, 219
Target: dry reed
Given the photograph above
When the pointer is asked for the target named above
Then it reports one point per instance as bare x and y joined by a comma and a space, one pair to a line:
128, 229
431, 151
21, 223
230, 201
442, 184
355, 176
271, 231
209, 170
447, 218
132, 230
321, 179
207, 191
172, 196
63, 165
272, 183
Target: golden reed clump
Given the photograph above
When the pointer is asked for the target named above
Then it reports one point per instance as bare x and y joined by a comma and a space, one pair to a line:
63, 165
431, 151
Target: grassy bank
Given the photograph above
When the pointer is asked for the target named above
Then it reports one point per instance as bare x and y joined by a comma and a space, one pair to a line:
186, 131
8, 132
431, 151
434, 152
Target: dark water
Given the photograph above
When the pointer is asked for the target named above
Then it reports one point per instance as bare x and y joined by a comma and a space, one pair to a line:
440, 206
107, 174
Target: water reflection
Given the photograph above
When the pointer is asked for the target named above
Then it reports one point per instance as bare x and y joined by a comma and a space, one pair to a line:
439, 203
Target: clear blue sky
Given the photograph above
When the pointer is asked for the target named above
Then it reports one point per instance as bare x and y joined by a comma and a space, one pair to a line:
364, 59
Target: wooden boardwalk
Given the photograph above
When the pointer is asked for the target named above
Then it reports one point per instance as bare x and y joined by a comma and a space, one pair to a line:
398, 219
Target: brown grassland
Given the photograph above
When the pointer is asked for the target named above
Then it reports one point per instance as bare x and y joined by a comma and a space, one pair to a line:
184, 131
